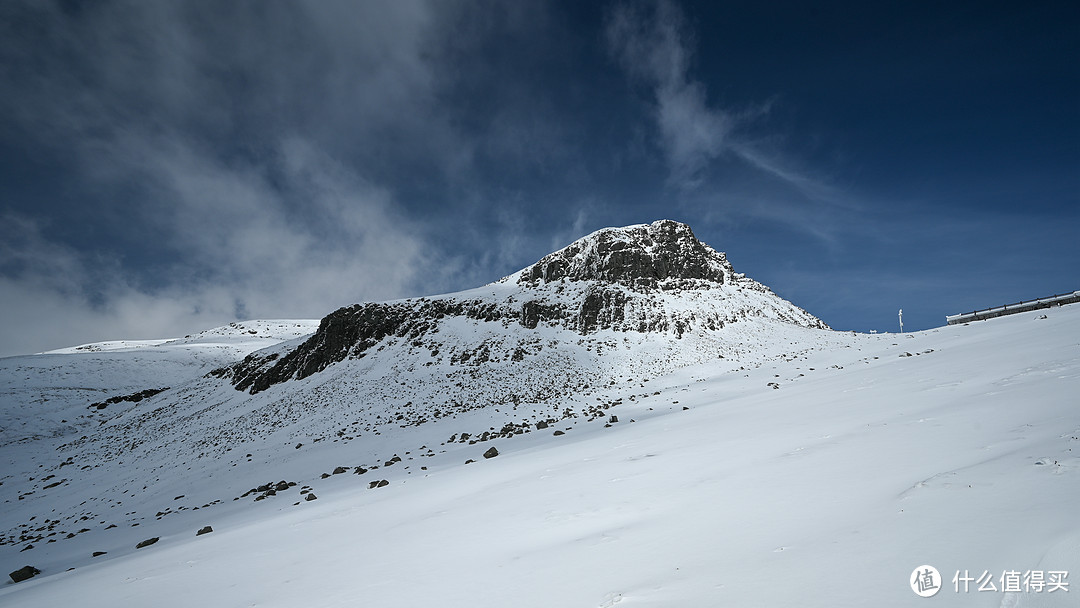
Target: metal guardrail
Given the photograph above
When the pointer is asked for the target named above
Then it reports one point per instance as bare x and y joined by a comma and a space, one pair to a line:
1009, 309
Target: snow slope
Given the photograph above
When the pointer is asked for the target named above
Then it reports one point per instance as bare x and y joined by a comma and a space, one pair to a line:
627, 421
46, 395
821, 477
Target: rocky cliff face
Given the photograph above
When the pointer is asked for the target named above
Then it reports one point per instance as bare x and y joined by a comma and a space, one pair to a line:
646, 279
644, 256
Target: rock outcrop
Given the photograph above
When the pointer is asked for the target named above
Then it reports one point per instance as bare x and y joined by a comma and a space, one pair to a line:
635, 256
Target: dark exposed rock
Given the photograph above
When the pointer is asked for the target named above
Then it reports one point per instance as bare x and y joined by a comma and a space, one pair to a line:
204, 530
147, 542
133, 398
24, 573
491, 452
340, 470
310, 496
534, 312
98, 553
634, 256
557, 433
349, 332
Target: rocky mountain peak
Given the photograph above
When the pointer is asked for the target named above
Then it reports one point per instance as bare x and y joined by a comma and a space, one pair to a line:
656, 281
643, 255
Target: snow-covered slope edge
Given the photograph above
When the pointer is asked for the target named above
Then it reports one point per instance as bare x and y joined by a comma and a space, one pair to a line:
821, 478
49, 395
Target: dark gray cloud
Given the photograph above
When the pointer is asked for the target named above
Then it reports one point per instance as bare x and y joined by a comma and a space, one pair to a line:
214, 139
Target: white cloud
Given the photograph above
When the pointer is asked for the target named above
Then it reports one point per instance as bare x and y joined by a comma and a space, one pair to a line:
653, 43
242, 247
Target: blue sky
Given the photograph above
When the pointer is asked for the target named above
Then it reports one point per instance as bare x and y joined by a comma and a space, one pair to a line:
166, 167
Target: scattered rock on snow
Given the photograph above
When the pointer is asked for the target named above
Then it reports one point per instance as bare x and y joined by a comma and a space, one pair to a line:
147, 542
24, 573
204, 530
491, 453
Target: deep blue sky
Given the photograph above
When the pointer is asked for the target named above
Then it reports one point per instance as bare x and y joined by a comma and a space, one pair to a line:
166, 167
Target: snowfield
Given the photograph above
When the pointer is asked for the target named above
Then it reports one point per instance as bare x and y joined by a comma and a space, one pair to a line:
822, 475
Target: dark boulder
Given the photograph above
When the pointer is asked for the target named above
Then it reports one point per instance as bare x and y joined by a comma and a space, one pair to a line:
204, 530
147, 542
24, 573
491, 452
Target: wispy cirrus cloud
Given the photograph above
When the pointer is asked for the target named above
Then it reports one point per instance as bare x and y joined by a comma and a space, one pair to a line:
653, 42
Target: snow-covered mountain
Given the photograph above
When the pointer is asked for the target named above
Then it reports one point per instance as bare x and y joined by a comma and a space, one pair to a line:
627, 420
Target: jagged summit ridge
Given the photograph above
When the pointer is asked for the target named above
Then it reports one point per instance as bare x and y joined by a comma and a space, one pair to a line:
644, 255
